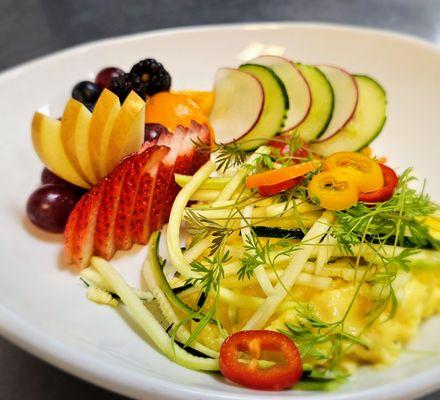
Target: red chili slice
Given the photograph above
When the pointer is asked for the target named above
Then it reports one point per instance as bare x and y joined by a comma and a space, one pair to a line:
386, 192
284, 374
279, 187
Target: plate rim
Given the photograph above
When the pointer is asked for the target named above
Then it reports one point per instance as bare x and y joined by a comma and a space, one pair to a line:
65, 357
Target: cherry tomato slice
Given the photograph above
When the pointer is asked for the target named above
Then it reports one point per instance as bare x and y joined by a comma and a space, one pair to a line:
280, 376
279, 187
386, 192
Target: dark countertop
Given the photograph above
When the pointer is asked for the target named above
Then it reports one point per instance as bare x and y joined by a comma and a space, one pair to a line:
31, 28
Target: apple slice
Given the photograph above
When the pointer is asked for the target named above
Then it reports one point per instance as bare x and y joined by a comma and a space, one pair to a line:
103, 119
127, 134
47, 141
238, 104
345, 93
297, 88
75, 125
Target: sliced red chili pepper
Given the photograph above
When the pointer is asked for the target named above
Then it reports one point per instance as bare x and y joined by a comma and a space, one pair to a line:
386, 192
279, 187
284, 374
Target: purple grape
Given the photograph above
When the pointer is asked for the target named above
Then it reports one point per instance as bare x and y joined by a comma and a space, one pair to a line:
105, 76
153, 131
48, 177
50, 205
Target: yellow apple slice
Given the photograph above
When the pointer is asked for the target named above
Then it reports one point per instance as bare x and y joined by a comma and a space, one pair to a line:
46, 137
75, 125
128, 132
103, 119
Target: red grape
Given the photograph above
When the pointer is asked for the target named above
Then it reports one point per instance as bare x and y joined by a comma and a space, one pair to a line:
50, 205
105, 76
47, 176
153, 131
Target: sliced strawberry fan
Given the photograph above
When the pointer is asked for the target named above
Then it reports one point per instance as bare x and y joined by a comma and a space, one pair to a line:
135, 199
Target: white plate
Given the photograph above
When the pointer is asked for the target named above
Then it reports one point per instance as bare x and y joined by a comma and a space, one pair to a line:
42, 305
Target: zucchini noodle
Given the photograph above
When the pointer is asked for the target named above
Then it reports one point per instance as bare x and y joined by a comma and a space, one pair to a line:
146, 320
237, 179
173, 236
297, 262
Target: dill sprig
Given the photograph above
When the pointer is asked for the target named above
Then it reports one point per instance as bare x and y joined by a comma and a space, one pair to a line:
200, 228
318, 339
257, 253
399, 218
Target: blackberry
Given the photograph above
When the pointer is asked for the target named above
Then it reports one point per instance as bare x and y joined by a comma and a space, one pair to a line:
146, 78
149, 77
121, 86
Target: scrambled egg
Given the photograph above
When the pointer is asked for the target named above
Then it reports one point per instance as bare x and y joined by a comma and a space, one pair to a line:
418, 298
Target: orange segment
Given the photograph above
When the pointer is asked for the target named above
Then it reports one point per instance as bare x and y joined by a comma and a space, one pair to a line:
173, 109
203, 99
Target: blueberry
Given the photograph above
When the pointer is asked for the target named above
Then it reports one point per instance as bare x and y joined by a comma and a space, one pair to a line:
86, 92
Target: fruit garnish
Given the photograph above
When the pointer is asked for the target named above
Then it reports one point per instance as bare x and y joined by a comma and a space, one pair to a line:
101, 127
84, 147
135, 198
146, 78
203, 99
173, 109
106, 75
152, 131
86, 92
149, 77
46, 138
50, 205
75, 125
127, 134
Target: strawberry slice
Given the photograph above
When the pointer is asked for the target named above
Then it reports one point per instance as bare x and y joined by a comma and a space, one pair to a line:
199, 134
69, 231
105, 225
183, 165
84, 232
163, 176
137, 223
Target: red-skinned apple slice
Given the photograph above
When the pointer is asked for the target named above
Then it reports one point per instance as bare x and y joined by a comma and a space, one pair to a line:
298, 91
238, 104
345, 99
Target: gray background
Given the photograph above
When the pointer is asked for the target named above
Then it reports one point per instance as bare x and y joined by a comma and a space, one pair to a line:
31, 28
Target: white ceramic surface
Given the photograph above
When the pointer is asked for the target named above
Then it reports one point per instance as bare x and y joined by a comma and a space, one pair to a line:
42, 304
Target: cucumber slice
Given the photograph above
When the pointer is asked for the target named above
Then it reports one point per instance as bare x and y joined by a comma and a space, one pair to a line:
296, 86
276, 103
238, 104
321, 109
345, 93
367, 122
